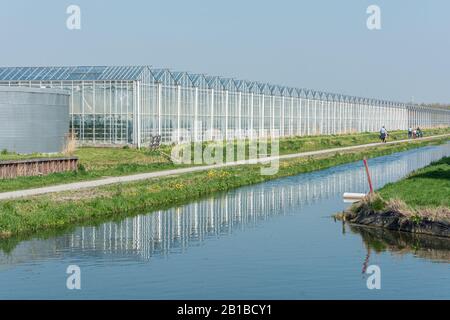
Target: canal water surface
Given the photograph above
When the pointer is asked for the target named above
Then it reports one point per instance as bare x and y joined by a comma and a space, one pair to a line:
274, 240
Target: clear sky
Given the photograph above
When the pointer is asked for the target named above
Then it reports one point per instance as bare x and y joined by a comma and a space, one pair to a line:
318, 44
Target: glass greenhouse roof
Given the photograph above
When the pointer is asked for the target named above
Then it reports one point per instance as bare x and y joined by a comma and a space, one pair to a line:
70, 73
168, 77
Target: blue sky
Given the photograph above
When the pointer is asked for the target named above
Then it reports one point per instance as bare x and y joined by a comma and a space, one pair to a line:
319, 44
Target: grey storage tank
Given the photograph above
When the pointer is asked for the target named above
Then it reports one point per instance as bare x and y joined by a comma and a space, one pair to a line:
33, 119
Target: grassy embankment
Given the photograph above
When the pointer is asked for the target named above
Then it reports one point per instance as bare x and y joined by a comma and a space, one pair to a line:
419, 203
96, 163
66, 209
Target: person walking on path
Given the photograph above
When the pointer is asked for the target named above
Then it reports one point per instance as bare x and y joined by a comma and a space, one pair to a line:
383, 134
410, 132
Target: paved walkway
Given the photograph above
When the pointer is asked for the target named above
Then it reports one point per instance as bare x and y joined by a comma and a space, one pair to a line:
150, 175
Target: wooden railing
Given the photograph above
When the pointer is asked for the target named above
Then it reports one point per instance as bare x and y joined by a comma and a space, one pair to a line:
36, 167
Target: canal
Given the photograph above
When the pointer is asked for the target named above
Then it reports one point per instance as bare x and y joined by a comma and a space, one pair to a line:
275, 240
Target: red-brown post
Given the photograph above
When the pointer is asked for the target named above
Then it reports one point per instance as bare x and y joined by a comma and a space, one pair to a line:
369, 179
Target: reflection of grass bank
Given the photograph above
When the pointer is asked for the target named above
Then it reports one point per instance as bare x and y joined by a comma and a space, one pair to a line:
420, 203
96, 163
114, 202
402, 243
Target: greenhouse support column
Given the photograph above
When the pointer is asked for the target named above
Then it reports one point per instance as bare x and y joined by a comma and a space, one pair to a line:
417, 117
363, 118
82, 112
375, 117
397, 118
212, 116
344, 118
71, 110
352, 117
282, 117
105, 114
315, 117
329, 110
299, 123
111, 112
424, 113
347, 117
322, 117
380, 115
251, 115
387, 117
337, 117
423, 118
136, 115
159, 107
414, 117
333, 117
402, 115
263, 98
226, 114
178, 113
239, 116
291, 120
359, 117
94, 120
312, 116
308, 118
196, 128
139, 129
411, 116
405, 115
394, 116
272, 116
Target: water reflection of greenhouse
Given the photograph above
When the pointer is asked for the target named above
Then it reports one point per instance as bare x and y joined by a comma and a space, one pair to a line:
118, 105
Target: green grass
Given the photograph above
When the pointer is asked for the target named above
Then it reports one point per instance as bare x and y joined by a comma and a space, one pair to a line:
428, 187
63, 210
96, 163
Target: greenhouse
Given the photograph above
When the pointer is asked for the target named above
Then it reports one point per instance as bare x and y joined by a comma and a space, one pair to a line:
132, 104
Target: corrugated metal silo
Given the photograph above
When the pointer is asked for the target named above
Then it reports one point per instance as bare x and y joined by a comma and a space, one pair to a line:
33, 120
